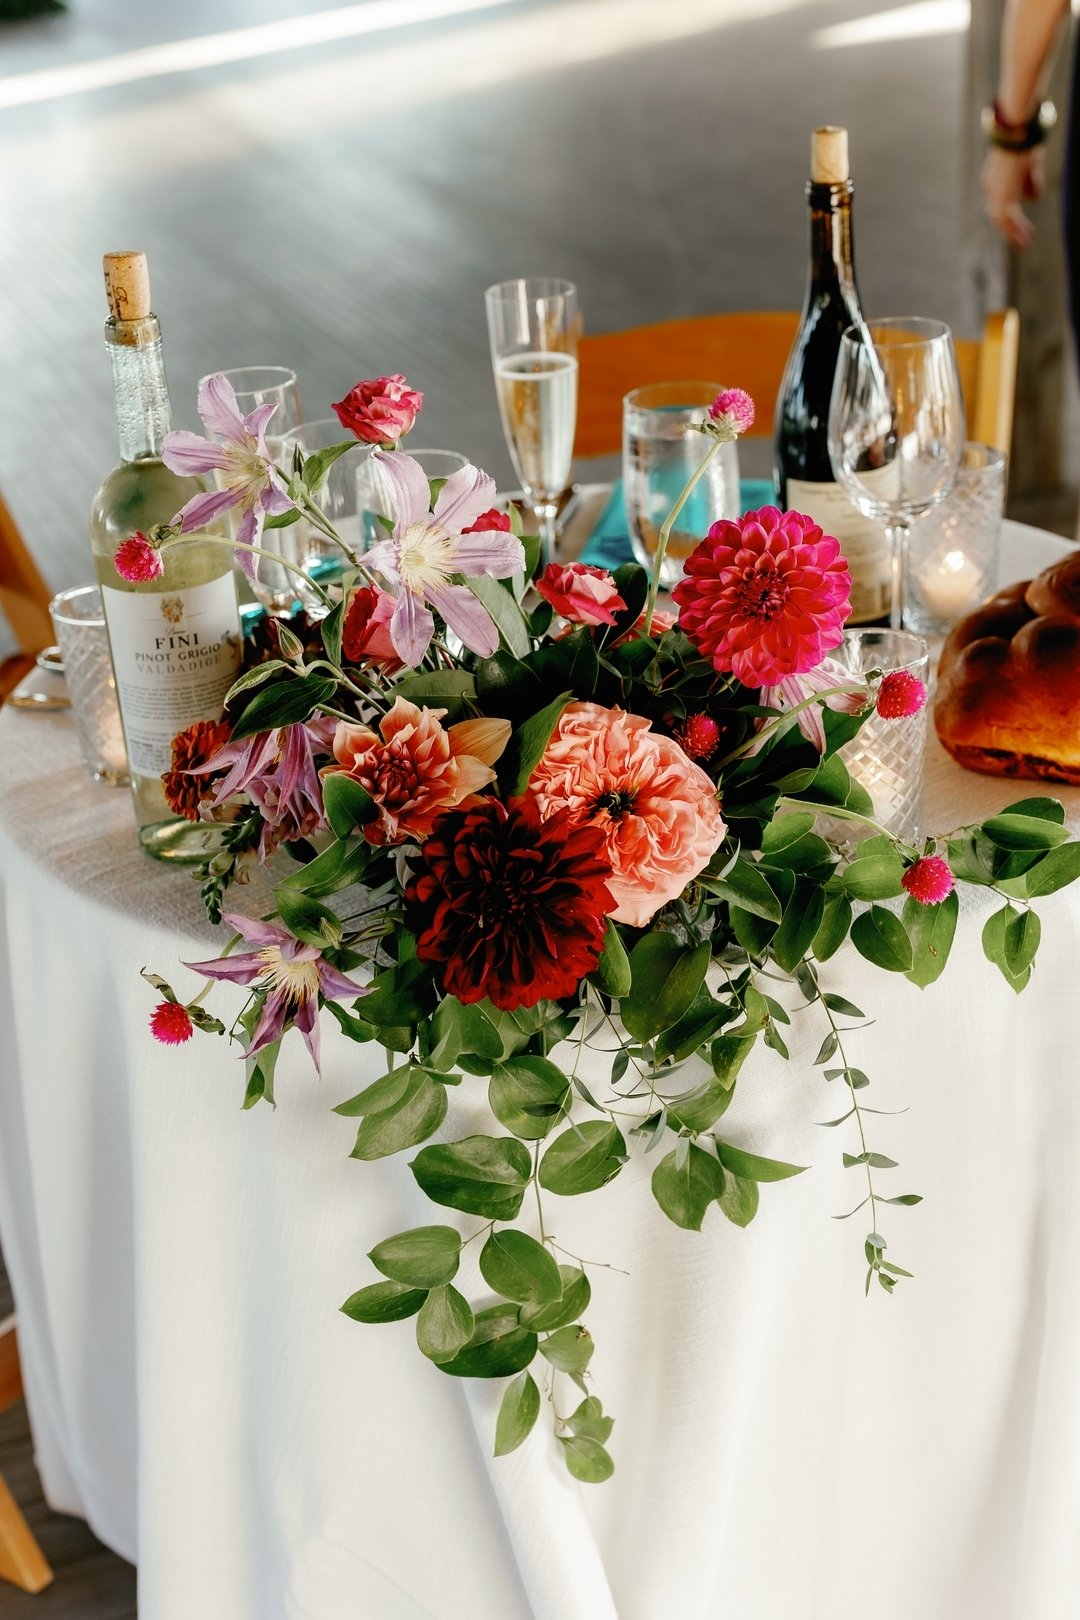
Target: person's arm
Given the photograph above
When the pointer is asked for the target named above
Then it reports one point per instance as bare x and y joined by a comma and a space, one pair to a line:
1030, 31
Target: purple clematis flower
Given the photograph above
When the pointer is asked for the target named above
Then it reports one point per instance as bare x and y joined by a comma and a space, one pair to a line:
293, 975
246, 474
428, 548
795, 689
277, 771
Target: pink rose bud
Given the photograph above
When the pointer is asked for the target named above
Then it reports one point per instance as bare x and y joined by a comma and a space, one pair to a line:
379, 412
900, 694
734, 409
580, 593
137, 561
365, 635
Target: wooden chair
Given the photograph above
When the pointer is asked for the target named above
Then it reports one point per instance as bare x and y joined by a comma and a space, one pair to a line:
749, 351
24, 601
21, 1560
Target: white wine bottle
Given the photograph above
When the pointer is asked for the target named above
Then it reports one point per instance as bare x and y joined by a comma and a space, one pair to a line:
804, 476
175, 640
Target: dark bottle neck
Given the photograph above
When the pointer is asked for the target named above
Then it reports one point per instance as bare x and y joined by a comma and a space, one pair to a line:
142, 394
832, 255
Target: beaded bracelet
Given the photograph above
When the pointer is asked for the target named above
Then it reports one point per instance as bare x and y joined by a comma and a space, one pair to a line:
1018, 137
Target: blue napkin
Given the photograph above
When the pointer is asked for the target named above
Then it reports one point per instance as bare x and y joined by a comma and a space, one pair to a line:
609, 543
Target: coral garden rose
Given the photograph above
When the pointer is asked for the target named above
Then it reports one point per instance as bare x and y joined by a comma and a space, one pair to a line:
765, 597
365, 634
656, 808
509, 906
415, 768
580, 593
379, 412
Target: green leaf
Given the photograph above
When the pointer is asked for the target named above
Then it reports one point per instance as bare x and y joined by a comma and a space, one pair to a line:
348, 804
445, 1323
319, 463
833, 928
425, 1257
1055, 871
588, 1422
286, 703
403, 994
994, 942
727, 1055
384, 1302
307, 918
583, 1158
570, 1349
255, 677
586, 1459
692, 1031
873, 877
1021, 942
612, 973
684, 1194
751, 1167
529, 1095
703, 1108
518, 1267
665, 978
505, 612
338, 867
261, 1067
802, 918
930, 930
1024, 832
785, 830
1041, 809
571, 1304
748, 888
332, 627
483, 1175
526, 746
739, 1199
499, 1347
882, 939
518, 1412
386, 1092
448, 689
413, 1119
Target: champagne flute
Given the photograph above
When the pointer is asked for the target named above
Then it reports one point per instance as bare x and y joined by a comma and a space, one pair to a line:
533, 325
896, 427
274, 586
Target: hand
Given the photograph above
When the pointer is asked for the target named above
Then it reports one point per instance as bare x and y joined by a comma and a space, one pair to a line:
1007, 179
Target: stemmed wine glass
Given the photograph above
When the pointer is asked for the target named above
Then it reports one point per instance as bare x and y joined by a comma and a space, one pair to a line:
533, 326
896, 427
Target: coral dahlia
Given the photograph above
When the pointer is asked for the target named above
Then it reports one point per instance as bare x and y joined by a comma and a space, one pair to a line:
184, 792
765, 597
507, 905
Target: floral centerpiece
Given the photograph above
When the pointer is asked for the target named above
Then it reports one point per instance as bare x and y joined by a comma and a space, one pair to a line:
526, 811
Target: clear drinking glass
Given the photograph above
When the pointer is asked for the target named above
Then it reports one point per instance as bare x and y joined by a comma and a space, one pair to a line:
373, 498
79, 623
886, 756
952, 562
896, 427
659, 457
275, 587
533, 326
301, 542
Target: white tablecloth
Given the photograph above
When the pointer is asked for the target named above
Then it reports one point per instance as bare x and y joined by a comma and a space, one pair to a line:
785, 1448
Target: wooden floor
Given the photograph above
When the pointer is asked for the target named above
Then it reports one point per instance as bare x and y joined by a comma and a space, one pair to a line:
340, 208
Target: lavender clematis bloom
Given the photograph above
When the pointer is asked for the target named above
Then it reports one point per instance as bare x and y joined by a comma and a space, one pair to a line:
243, 464
277, 771
795, 689
428, 548
293, 975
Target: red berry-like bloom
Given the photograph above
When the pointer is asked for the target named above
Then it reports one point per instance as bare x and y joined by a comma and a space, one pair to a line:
488, 521
171, 1023
765, 597
734, 408
900, 694
929, 880
509, 906
136, 560
698, 736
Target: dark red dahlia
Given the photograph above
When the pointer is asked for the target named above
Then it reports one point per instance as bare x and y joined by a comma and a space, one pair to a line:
200, 742
509, 906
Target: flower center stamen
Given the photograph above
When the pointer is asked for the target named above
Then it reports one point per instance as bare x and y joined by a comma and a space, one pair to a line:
615, 803
425, 557
299, 979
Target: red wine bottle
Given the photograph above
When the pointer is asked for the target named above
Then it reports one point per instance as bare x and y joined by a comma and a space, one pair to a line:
804, 475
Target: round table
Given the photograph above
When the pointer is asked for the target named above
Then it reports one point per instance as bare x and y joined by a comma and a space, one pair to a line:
786, 1449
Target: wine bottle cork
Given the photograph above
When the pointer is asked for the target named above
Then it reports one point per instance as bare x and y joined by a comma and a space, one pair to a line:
829, 156
127, 284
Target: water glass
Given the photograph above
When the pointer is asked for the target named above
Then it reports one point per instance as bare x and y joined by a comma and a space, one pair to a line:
659, 457
79, 623
372, 495
886, 757
275, 586
301, 542
953, 551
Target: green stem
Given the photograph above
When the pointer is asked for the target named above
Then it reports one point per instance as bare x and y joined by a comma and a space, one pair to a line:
665, 533
772, 726
256, 551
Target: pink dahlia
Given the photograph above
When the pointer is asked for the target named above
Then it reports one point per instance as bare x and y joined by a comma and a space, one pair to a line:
733, 409
900, 694
170, 1023
765, 597
581, 593
656, 808
137, 561
928, 880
